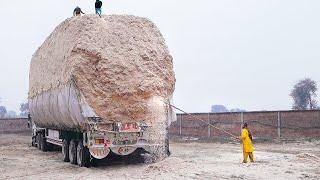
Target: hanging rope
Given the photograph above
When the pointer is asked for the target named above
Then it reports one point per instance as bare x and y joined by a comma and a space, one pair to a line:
222, 130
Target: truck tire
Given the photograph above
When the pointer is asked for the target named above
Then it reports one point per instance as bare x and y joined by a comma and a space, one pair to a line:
83, 155
43, 142
166, 148
65, 150
136, 157
33, 142
73, 152
38, 141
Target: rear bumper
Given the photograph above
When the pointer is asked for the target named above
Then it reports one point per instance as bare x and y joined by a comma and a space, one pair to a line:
124, 138
121, 143
102, 151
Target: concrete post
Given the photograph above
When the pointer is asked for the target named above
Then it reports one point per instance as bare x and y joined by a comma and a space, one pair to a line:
279, 124
209, 126
180, 125
241, 119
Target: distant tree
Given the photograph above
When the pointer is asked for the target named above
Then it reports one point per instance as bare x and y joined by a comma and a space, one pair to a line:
218, 108
304, 94
11, 114
24, 109
3, 111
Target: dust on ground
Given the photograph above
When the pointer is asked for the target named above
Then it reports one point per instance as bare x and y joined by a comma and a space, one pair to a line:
188, 161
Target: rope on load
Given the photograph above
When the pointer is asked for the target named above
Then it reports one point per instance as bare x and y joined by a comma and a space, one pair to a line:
220, 129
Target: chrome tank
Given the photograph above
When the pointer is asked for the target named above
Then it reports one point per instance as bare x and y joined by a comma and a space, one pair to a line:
63, 109
66, 109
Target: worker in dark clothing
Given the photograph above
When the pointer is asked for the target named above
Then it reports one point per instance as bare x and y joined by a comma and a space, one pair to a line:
98, 6
29, 120
77, 11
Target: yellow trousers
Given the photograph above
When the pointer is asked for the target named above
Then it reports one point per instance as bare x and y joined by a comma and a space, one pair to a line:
245, 157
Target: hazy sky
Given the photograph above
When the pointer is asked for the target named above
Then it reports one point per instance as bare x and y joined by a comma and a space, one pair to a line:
243, 54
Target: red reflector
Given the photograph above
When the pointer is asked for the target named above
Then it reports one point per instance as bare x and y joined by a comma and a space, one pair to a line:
99, 141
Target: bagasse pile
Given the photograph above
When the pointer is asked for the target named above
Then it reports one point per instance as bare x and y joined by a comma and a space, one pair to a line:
120, 64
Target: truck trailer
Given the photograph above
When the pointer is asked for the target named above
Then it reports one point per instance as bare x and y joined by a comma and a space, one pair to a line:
102, 85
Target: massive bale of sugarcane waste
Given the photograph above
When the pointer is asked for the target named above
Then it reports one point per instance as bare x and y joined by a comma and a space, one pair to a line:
120, 64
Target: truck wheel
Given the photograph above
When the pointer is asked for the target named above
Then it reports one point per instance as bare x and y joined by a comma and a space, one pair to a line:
43, 142
136, 157
65, 150
73, 152
33, 142
166, 148
83, 156
38, 141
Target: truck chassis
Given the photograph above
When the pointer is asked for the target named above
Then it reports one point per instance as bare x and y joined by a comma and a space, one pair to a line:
81, 147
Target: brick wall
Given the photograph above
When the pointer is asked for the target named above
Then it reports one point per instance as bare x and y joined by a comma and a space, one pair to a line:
266, 124
263, 124
14, 125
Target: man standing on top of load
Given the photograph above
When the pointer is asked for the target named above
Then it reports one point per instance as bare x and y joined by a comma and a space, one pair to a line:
77, 11
98, 6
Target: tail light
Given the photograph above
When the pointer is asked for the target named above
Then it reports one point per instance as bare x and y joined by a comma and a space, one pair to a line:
99, 141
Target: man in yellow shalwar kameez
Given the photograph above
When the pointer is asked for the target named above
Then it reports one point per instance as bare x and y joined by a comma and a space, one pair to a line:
247, 146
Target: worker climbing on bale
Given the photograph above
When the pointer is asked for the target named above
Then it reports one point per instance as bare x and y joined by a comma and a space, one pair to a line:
98, 6
77, 11
247, 146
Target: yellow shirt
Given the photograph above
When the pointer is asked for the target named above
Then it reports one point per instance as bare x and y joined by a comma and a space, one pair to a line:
246, 141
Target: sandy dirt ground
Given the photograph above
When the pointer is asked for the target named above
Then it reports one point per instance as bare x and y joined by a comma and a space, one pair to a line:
300, 160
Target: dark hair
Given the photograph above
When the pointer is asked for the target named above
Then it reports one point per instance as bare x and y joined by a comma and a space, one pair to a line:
245, 125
